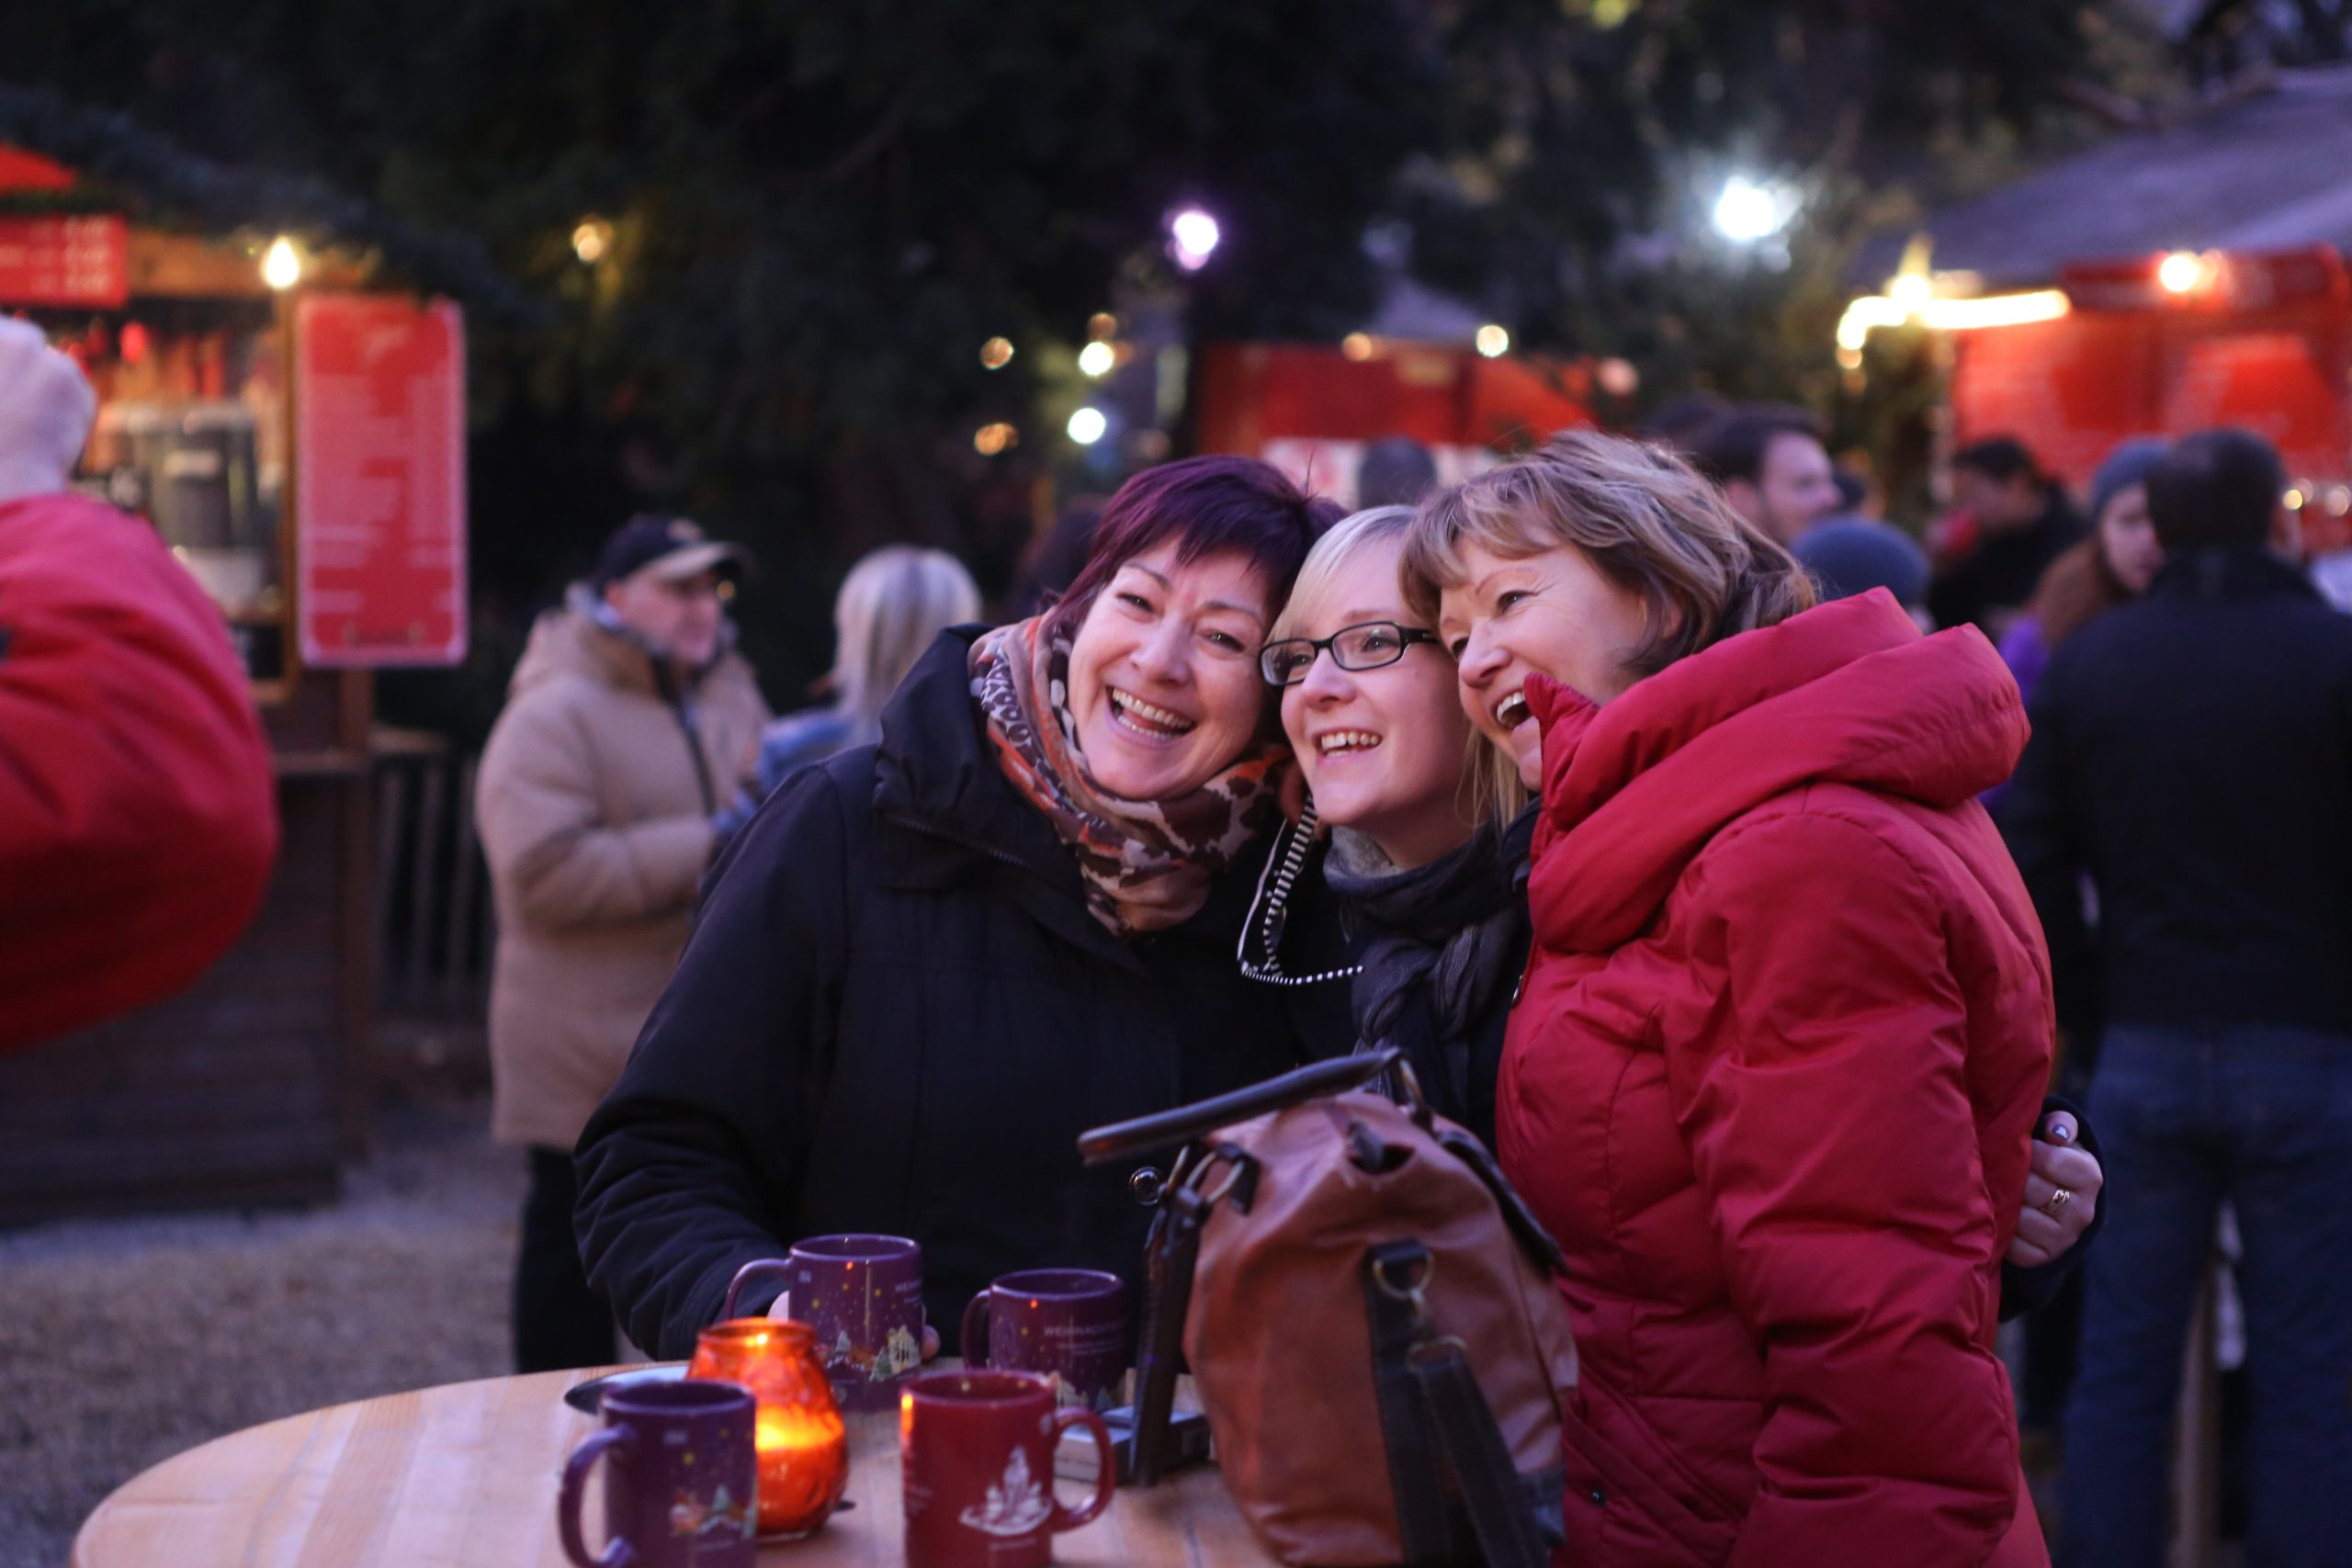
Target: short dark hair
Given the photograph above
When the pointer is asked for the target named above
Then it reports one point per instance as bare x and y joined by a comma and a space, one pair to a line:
1679, 420
1734, 448
1209, 506
2000, 458
2219, 487
1397, 470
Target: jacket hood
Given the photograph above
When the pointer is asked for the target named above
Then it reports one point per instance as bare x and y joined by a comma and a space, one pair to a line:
937, 769
585, 638
1846, 692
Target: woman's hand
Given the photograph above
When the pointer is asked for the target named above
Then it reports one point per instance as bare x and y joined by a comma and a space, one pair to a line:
2059, 1166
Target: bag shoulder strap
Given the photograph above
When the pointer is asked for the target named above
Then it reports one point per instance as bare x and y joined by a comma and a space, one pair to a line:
1436, 1425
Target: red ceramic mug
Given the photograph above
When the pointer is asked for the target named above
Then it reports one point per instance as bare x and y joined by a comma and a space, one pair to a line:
976, 1452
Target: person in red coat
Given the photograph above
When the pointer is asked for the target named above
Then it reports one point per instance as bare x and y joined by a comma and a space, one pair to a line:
138, 816
1784, 1030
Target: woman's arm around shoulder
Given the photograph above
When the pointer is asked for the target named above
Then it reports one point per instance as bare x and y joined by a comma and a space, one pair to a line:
691, 1167
1835, 1146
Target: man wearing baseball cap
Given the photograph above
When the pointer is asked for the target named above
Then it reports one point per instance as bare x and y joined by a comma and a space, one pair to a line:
609, 782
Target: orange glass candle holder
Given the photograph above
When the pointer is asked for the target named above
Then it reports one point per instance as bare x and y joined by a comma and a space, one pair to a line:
802, 1449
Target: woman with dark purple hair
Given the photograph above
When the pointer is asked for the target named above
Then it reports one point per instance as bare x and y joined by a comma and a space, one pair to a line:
930, 962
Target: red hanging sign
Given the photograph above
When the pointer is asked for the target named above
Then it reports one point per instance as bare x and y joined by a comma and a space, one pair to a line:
379, 480
65, 262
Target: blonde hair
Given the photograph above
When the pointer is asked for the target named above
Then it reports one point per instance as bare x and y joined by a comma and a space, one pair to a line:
1357, 531
894, 602
1490, 787
1646, 519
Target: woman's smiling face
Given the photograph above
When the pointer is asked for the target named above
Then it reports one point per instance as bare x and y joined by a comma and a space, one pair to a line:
1164, 690
1549, 614
1382, 748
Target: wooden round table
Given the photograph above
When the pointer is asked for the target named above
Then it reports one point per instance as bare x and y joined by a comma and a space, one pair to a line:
465, 1475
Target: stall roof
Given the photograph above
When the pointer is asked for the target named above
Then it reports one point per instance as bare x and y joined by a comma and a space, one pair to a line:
2267, 171
160, 177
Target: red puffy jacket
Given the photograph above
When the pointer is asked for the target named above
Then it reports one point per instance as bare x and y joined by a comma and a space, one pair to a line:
1783, 1037
138, 817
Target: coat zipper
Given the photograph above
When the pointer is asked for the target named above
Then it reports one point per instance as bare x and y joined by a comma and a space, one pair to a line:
677, 703
917, 825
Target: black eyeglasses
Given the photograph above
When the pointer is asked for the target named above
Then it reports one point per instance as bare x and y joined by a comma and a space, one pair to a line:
1367, 645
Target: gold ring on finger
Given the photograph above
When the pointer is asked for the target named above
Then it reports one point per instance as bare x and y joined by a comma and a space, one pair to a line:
2055, 1202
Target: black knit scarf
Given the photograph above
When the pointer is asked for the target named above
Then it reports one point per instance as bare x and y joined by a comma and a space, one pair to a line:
1452, 926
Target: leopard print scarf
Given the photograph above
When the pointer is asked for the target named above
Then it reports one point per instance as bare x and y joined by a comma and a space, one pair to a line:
1147, 864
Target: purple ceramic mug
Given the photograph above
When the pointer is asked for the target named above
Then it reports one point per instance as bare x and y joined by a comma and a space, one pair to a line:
1066, 1324
680, 1481
862, 1294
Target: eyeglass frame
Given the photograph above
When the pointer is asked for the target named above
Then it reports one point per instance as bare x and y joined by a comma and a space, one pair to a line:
1406, 638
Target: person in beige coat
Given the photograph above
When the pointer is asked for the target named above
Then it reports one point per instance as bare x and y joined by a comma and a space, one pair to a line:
609, 782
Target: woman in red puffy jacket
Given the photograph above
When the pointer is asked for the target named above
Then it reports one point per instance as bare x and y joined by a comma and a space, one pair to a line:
1784, 1030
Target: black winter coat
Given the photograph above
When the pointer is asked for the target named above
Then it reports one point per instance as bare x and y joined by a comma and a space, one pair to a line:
2192, 756
895, 1014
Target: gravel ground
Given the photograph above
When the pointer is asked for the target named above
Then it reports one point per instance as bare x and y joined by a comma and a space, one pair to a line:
126, 1341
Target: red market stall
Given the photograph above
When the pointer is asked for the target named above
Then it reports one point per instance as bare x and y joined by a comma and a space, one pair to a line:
297, 437
2175, 343
1312, 409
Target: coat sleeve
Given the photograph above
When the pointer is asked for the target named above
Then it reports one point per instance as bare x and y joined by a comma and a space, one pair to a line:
2039, 821
561, 866
1831, 1128
693, 1165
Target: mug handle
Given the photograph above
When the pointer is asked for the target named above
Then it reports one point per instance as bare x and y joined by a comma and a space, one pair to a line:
974, 1339
618, 1553
757, 1270
1105, 1477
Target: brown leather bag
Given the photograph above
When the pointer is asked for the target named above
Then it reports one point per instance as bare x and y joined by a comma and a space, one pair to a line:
1371, 1320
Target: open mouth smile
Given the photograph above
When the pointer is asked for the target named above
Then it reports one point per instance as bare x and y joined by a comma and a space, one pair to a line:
1513, 711
1345, 741
1145, 720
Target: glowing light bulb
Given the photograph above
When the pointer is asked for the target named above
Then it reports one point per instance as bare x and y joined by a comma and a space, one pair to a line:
591, 240
2180, 272
997, 352
1194, 235
1747, 211
1087, 425
1096, 359
1492, 341
281, 266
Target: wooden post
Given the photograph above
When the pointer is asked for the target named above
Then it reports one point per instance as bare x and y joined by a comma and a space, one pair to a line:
2197, 1437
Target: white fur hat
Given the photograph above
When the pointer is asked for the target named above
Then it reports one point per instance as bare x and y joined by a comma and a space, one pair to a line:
46, 407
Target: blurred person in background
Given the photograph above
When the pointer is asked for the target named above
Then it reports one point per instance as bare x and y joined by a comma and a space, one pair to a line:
2192, 757
138, 808
891, 607
1677, 422
1851, 554
1772, 467
2018, 521
608, 783
2114, 566
1397, 471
